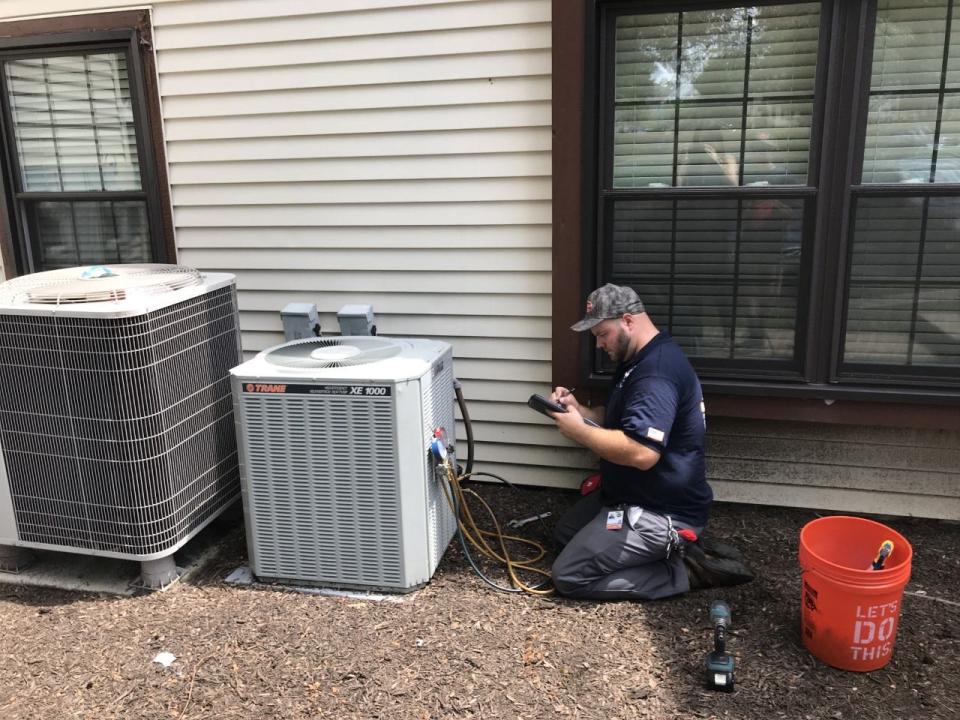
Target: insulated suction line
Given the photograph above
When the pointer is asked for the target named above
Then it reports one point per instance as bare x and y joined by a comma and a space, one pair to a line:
472, 535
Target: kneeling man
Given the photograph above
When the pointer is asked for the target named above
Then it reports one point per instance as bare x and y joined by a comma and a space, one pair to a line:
626, 540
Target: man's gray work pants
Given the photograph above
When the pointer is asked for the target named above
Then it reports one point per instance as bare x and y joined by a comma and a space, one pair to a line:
634, 562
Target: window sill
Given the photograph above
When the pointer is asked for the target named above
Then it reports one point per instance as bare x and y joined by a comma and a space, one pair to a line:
908, 408
828, 393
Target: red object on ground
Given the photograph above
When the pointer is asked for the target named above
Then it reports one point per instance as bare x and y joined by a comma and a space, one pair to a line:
590, 484
849, 612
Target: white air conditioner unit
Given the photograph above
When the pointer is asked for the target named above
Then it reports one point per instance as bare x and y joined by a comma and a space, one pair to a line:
116, 416
339, 488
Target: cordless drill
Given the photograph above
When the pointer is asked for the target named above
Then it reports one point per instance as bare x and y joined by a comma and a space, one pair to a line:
720, 662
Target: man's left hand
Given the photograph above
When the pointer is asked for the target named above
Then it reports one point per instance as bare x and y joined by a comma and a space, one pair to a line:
571, 424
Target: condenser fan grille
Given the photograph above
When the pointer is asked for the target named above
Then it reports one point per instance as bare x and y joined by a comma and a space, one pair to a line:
117, 433
71, 286
333, 352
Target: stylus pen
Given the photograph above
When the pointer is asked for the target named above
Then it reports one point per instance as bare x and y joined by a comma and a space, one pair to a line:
588, 421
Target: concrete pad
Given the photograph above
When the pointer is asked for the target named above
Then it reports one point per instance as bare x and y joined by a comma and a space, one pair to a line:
83, 573
88, 573
244, 576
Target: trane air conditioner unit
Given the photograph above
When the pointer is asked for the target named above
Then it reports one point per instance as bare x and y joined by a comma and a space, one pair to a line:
339, 488
116, 416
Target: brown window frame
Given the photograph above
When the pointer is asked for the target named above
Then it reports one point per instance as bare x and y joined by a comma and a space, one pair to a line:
575, 42
127, 29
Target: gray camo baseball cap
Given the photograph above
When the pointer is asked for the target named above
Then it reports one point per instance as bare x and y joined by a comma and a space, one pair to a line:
610, 301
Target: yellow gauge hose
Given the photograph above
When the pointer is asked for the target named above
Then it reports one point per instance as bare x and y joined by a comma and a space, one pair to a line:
477, 537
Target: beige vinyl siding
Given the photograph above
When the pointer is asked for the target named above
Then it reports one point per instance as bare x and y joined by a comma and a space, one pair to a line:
886, 470
391, 153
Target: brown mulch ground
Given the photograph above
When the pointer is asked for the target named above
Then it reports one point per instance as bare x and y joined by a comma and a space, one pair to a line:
459, 650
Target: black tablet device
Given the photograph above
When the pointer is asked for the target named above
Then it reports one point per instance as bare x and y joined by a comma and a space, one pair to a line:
542, 405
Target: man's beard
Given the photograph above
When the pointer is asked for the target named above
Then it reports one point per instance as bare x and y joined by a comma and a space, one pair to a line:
618, 353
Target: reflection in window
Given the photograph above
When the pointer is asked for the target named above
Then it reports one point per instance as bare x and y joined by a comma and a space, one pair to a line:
904, 290
76, 166
73, 122
722, 275
714, 97
903, 306
913, 124
89, 232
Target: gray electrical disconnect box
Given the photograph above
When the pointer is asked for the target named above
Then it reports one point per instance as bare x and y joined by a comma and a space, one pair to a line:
356, 320
300, 320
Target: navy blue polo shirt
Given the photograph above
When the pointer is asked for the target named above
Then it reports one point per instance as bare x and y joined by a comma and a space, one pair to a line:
656, 400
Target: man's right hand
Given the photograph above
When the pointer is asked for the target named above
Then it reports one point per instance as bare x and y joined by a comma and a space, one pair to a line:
563, 396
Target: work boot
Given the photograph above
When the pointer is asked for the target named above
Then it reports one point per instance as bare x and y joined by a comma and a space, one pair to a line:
706, 571
720, 549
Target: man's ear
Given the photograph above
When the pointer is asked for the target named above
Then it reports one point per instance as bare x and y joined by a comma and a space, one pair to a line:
628, 320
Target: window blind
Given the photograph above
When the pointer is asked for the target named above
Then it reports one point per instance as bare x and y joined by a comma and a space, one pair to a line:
71, 233
913, 126
713, 98
904, 294
903, 306
722, 275
701, 95
73, 131
73, 122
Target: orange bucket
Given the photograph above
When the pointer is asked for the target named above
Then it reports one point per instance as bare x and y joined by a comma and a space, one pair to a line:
849, 612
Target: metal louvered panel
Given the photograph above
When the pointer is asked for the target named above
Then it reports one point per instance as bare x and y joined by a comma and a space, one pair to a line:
322, 489
438, 399
337, 483
120, 437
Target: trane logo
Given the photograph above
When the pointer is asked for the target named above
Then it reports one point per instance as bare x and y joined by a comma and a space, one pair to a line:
261, 388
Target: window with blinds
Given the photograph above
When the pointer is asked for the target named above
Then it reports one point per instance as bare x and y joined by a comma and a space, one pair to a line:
714, 97
780, 182
709, 189
75, 160
903, 286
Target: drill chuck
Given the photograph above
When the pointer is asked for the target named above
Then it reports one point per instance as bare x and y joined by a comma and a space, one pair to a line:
720, 613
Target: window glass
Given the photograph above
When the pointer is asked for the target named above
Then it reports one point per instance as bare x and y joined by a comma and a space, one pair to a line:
710, 209
904, 290
908, 45
643, 146
903, 305
913, 125
73, 122
777, 142
900, 139
721, 275
936, 331
713, 55
718, 99
714, 97
709, 144
72, 233
646, 57
953, 61
948, 151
